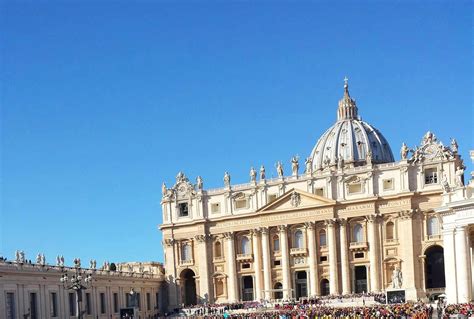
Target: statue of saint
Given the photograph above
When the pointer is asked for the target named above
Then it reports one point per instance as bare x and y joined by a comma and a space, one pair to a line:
262, 173
445, 184
253, 175
38, 259
404, 151
369, 157
199, 182
58, 260
164, 191
309, 165
227, 179
340, 162
17, 256
22, 257
397, 278
279, 167
460, 176
294, 165
62, 261
454, 145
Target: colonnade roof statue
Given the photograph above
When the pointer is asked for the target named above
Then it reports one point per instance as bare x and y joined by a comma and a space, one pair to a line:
350, 139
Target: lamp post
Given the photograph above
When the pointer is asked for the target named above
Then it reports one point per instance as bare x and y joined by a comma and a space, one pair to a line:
75, 283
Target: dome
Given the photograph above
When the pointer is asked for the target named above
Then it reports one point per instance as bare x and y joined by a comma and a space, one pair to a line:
354, 141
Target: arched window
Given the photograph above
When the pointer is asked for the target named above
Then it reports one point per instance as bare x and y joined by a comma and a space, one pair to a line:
389, 230
186, 253
298, 239
322, 238
432, 226
276, 243
358, 236
245, 246
218, 249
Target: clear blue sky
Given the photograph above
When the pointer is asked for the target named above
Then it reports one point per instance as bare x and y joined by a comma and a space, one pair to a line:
102, 102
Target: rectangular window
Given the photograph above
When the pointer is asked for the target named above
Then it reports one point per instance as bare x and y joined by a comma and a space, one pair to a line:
102, 303
354, 188
88, 304
157, 300
245, 266
116, 303
128, 300
72, 304
54, 304
10, 305
139, 304
240, 203
148, 301
431, 176
323, 259
388, 184
33, 306
271, 198
183, 209
359, 255
276, 262
215, 208
319, 191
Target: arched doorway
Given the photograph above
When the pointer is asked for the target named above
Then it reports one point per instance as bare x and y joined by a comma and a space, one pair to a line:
360, 274
247, 288
434, 267
324, 287
301, 284
189, 287
278, 294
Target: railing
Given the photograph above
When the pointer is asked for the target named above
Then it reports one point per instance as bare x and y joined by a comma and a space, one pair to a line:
298, 251
358, 245
218, 259
188, 262
244, 257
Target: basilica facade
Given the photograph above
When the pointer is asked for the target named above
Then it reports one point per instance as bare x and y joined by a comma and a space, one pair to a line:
346, 221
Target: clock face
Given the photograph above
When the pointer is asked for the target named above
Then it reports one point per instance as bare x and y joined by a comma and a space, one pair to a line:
182, 190
431, 151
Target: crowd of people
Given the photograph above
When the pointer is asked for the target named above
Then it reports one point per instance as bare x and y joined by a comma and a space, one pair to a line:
326, 307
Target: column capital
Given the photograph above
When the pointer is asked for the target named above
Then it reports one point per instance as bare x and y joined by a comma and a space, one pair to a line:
372, 218
255, 231
343, 222
406, 214
169, 241
265, 230
228, 235
309, 225
282, 228
201, 238
330, 222
461, 228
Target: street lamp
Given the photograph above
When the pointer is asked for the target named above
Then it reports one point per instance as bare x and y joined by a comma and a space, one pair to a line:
75, 283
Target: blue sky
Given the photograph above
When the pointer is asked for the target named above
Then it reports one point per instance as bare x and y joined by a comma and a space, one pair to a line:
103, 101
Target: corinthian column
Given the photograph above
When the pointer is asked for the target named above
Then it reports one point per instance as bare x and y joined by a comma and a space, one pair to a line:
257, 265
333, 276
313, 267
285, 258
345, 274
405, 231
463, 265
267, 270
232, 289
373, 248
204, 290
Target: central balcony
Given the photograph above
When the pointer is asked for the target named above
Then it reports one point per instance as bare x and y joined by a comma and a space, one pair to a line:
188, 262
298, 251
244, 257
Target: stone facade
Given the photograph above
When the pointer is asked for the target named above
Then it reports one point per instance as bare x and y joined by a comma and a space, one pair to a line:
34, 291
342, 225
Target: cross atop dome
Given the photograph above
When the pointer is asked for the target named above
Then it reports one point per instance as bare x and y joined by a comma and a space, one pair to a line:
347, 106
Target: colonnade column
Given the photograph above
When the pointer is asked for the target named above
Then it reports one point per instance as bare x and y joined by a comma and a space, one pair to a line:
267, 270
257, 265
232, 288
285, 261
405, 231
462, 265
333, 275
373, 255
345, 275
313, 267
450, 264
204, 291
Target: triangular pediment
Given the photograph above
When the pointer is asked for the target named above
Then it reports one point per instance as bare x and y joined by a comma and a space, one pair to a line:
296, 199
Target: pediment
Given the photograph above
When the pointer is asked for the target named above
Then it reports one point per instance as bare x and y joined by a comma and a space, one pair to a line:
296, 199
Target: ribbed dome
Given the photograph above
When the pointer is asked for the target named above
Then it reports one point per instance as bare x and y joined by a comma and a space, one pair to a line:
350, 138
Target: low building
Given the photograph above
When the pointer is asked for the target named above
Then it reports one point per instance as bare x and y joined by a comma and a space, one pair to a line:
35, 291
